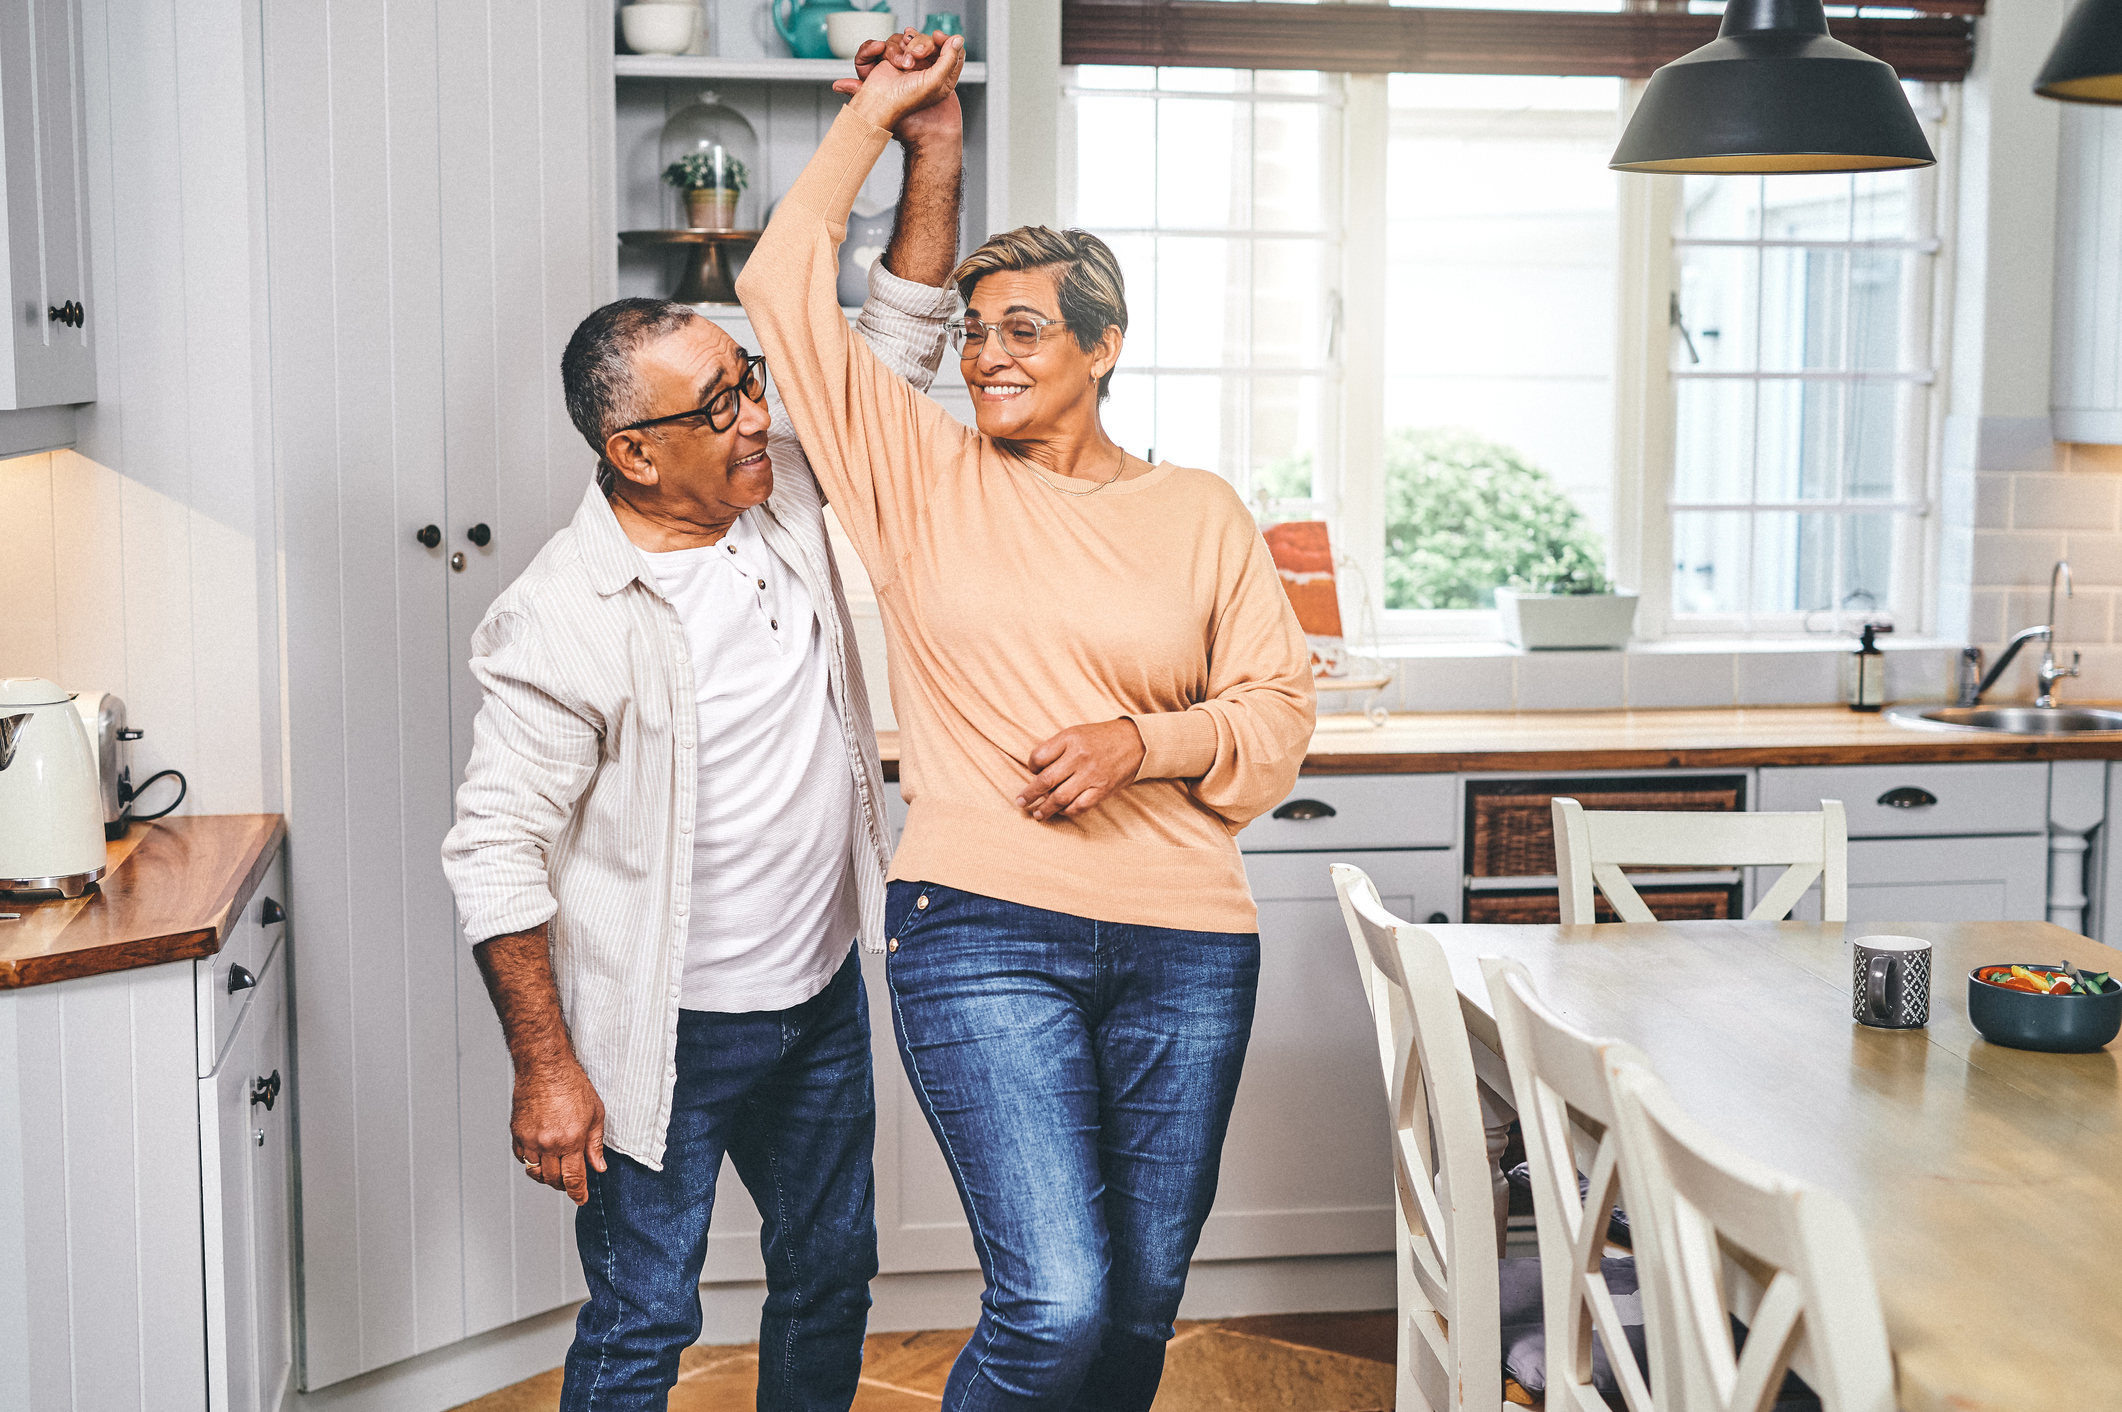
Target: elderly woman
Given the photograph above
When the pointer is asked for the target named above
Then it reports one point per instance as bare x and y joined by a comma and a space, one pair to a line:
1099, 681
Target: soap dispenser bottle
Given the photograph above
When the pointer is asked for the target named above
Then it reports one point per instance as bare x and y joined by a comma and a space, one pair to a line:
1867, 682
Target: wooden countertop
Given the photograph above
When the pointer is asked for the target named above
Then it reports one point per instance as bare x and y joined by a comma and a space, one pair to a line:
170, 893
1470, 741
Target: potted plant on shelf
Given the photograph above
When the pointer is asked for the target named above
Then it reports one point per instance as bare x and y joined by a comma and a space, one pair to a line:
1567, 601
710, 183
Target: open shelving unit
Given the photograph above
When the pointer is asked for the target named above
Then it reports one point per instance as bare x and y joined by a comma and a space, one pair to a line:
765, 69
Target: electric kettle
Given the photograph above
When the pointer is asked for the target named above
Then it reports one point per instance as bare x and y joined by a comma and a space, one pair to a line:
51, 808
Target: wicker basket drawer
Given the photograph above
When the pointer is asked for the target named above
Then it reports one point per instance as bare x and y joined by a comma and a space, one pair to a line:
1510, 831
1542, 907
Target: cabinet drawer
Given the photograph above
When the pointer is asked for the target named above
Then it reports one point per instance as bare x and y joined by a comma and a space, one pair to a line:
1901, 801
1358, 811
250, 942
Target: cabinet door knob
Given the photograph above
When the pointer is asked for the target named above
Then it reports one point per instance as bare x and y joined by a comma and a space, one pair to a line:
270, 913
239, 979
1908, 797
456, 561
70, 314
1301, 810
479, 535
266, 1090
1438, 919
429, 535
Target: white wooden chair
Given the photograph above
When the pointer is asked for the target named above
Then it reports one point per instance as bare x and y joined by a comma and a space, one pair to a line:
1596, 845
1718, 1236
1450, 1353
1565, 1107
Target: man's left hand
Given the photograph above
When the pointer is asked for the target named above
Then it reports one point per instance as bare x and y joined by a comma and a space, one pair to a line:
910, 51
1081, 768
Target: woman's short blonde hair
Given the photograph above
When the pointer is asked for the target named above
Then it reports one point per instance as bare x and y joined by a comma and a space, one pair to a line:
1087, 279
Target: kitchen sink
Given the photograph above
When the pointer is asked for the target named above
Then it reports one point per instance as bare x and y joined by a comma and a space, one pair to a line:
2011, 720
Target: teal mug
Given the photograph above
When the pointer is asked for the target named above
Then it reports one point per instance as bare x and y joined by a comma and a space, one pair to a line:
943, 24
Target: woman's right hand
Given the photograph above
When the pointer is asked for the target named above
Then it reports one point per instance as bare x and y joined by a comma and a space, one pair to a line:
889, 93
940, 122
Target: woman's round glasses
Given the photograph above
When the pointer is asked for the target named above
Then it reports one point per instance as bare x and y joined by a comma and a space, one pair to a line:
1020, 333
720, 410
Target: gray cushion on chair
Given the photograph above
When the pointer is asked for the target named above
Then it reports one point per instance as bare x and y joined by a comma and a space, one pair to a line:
1525, 1336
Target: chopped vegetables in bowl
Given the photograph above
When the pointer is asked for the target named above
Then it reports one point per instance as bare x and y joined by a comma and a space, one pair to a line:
2046, 980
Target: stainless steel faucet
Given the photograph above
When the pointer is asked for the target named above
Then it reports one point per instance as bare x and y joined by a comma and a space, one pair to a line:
2050, 673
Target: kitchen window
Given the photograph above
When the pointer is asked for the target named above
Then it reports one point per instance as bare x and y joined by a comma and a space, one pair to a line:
1802, 378
1774, 397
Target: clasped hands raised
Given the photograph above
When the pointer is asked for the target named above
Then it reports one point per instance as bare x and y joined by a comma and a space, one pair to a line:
907, 83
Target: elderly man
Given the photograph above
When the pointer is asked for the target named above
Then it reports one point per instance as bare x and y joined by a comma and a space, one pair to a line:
671, 831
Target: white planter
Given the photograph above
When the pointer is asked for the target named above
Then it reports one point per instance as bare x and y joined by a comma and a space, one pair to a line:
1543, 620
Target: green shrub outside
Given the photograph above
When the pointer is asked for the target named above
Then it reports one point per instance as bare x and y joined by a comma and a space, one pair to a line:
1465, 515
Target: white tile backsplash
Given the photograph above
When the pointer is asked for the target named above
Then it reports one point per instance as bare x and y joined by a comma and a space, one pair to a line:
1571, 681
1457, 683
1681, 679
1789, 678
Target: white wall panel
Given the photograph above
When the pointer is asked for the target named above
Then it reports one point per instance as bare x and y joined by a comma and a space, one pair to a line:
2086, 390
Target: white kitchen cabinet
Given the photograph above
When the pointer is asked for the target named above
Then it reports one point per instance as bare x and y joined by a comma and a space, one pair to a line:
1996, 879
47, 358
145, 1255
2085, 371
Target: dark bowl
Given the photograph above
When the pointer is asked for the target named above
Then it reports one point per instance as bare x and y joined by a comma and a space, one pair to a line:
2056, 1024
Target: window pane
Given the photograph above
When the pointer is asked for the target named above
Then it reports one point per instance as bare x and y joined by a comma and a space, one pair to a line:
1867, 564
1883, 209
1501, 275
1130, 414
1804, 302
1114, 76
1201, 299
1875, 334
1806, 207
1289, 81
1709, 562
1720, 207
1800, 435
1874, 453
1201, 164
1289, 166
1116, 171
1200, 422
1794, 562
1137, 255
1286, 420
1290, 303
1716, 308
1204, 80
1713, 443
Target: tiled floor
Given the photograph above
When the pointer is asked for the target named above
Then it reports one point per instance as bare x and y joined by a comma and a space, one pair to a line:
1292, 1362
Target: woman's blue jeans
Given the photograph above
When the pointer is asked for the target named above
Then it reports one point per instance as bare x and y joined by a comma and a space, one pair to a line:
1078, 1076
786, 1093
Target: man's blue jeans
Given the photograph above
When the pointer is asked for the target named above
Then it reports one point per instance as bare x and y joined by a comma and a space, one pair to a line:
1078, 1076
786, 1093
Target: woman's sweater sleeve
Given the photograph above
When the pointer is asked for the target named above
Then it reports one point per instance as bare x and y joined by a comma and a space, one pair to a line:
1241, 747
871, 439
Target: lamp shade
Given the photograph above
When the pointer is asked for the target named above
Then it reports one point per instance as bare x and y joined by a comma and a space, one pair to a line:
1773, 92
2086, 64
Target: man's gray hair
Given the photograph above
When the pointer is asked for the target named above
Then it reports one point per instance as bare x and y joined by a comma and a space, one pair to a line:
597, 370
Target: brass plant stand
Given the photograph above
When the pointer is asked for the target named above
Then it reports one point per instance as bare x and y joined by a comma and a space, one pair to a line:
707, 278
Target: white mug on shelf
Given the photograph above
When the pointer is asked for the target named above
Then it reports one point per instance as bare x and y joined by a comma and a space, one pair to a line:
659, 29
847, 30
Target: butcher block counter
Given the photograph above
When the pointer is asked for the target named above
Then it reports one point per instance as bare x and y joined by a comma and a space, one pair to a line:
1472, 741
172, 891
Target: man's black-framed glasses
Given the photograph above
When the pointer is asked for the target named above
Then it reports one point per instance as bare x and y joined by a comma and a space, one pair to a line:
720, 410
1020, 333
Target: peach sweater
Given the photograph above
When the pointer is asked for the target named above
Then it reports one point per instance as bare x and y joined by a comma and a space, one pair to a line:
1014, 611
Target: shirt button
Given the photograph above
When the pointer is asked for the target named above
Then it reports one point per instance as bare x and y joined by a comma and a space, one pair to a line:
685, 828
762, 583
774, 623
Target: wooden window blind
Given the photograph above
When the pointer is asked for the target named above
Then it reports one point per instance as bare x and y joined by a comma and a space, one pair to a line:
1936, 43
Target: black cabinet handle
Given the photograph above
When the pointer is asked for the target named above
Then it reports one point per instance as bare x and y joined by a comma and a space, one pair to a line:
239, 979
270, 913
70, 313
479, 535
266, 1090
1908, 797
1301, 810
430, 535
1438, 919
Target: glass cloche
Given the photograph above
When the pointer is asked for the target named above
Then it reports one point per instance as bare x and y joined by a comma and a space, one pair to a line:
708, 154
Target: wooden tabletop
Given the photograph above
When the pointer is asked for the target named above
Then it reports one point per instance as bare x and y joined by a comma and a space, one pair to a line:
1988, 1179
1453, 742
170, 892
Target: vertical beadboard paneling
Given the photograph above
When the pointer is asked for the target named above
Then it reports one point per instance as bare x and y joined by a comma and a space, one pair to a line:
87, 549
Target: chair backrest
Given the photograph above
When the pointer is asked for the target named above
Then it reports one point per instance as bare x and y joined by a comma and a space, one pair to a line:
1598, 844
1450, 1306
1721, 1236
1560, 1078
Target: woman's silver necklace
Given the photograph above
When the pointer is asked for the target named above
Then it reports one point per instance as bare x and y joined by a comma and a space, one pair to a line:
1063, 490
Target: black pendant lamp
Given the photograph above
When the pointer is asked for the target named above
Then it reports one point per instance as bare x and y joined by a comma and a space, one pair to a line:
1773, 93
2086, 64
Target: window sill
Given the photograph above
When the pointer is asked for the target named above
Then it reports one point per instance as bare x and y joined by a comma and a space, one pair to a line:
1494, 676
